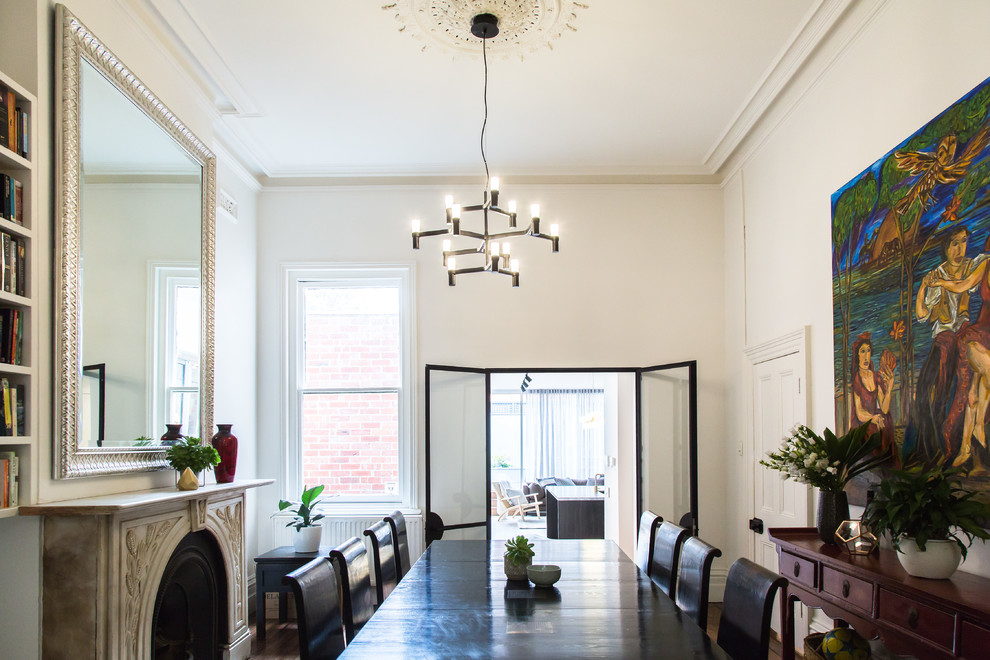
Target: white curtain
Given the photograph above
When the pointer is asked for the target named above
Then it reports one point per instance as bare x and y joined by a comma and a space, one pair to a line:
563, 433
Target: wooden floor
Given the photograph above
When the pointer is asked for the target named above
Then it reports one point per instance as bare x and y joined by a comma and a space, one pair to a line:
283, 640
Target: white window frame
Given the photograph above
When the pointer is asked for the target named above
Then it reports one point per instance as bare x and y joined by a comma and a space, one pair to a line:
163, 278
295, 278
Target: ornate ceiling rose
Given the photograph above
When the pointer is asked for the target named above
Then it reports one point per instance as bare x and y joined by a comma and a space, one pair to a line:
524, 26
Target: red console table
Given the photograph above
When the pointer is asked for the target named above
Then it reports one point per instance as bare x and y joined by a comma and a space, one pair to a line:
925, 618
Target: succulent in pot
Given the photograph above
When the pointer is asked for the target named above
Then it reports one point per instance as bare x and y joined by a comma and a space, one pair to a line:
190, 457
928, 514
308, 530
518, 555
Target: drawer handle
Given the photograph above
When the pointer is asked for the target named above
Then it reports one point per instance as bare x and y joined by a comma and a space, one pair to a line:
845, 588
913, 617
797, 569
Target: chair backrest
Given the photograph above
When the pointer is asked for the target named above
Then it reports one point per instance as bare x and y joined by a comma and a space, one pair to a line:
500, 495
666, 549
400, 537
383, 556
357, 603
321, 630
648, 524
693, 579
744, 628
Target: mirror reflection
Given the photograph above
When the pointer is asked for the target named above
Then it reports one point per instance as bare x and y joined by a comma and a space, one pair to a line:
139, 272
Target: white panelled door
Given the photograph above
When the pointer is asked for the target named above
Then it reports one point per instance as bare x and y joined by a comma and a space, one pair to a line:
779, 402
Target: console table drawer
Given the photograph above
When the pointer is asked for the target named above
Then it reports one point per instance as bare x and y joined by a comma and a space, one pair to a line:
974, 640
856, 592
798, 569
928, 622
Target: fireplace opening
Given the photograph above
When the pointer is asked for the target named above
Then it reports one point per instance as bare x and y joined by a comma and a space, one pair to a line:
190, 618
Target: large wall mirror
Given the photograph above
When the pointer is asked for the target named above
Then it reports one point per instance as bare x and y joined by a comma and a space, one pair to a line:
134, 267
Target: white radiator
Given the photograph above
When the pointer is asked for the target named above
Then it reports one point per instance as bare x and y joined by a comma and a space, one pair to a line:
337, 529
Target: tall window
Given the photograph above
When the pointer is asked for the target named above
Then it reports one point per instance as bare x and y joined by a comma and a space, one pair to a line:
349, 408
176, 319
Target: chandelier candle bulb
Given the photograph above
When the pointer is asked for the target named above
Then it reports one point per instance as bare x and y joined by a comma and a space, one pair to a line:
495, 249
451, 263
446, 245
505, 249
494, 184
514, 265
448, 201
553, 229
534, 211
415, 226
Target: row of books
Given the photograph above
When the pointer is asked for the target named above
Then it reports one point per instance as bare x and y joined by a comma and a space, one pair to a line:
9, 478
14, 123
11, 199
12, 415
11, 336
13, 266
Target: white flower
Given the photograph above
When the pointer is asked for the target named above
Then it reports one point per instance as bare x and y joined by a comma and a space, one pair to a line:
833, 470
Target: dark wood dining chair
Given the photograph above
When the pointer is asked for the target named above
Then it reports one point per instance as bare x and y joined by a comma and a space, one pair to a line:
666, 549
397, 522
357, 603
321, 630
744, 627
648, 523
693, 579
383, 559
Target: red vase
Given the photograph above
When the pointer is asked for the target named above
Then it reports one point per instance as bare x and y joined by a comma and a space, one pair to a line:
225, 443
172, 435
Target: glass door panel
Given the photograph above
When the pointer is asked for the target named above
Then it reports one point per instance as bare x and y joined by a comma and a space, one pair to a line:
458, 503
668, 435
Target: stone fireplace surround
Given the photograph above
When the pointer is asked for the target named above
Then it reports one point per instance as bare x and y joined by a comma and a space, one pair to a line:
103, 560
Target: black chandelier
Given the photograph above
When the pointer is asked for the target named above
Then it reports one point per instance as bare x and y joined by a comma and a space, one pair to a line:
493, 247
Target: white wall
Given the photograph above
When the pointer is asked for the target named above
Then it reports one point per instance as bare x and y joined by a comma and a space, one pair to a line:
637, 281
881, 76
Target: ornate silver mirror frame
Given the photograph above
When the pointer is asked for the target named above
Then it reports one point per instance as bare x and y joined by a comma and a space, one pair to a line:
76, 43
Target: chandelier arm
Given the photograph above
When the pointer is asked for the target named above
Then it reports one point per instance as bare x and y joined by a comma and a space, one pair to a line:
473, 207
473, 234
508, 234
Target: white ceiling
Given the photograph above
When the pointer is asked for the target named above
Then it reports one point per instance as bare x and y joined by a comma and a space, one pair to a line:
643, 88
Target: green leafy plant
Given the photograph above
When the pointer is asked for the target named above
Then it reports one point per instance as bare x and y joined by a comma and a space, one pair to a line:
519, 550
500, 462
927, 505
827, 462
191, 453
304, 512
142, 441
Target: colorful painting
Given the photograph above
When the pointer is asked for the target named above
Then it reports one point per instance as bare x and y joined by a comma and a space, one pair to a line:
911, 294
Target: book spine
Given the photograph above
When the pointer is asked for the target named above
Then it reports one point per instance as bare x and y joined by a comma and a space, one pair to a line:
4, 125
19, 340
21, 268
7, 421
18, 203
15, 477
5, 206
11, 121
15, 326
19, 409
5, 248
4, 494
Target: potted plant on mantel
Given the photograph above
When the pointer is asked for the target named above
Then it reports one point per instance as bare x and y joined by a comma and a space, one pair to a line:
308, 532
189, 457
518, 555
925, 512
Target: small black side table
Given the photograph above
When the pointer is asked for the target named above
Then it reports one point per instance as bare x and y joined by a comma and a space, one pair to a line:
272, 566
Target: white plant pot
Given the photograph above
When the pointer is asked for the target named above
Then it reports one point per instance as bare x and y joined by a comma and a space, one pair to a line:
938, 561
307, 539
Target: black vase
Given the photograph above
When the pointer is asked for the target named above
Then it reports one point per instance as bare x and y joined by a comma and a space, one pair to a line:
833, 508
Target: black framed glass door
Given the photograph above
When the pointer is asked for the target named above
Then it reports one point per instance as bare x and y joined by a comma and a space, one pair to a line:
667, 441
458, 438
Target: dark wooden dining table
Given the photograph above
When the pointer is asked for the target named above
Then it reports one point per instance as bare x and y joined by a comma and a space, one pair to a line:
456, 603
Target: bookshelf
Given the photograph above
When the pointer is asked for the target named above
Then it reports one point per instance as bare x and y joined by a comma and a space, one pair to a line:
23, 169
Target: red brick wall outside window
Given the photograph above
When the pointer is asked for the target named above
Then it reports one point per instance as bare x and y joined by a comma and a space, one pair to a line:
350, 399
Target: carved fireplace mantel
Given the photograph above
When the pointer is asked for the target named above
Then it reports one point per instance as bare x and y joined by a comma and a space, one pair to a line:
103, 560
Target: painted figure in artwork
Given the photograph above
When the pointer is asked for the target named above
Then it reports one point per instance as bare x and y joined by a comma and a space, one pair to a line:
966, 420
872, 389
948, 313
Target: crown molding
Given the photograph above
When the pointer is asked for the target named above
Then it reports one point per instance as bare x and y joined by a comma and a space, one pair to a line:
799, 48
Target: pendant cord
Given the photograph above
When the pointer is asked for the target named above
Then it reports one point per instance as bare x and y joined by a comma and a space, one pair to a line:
484, 58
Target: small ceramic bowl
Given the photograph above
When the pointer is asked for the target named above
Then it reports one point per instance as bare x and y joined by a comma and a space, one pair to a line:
543, 575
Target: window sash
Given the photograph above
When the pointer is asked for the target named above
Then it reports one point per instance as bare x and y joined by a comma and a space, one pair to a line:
297, 279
